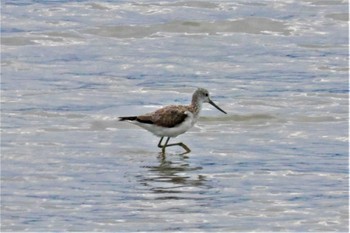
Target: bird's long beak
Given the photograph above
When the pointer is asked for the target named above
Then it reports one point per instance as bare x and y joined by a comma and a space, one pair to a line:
217, 107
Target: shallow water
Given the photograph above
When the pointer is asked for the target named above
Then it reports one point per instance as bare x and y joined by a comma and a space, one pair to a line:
277, 162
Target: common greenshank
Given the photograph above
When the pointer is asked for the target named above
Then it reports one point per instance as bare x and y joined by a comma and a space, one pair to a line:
173, 120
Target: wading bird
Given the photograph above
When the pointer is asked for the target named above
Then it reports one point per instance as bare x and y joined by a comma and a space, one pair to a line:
173, 120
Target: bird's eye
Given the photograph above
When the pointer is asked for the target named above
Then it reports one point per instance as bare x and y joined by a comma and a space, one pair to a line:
206, 94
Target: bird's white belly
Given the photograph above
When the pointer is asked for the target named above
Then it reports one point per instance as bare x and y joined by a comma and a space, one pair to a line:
171, 131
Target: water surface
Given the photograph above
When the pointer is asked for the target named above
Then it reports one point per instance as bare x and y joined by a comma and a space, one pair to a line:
277, 162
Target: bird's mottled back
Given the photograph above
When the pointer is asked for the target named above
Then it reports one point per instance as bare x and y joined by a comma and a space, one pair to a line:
169, 116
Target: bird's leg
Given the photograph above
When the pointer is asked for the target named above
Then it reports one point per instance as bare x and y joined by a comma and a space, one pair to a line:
173, 144
182, 145
160, 142
165, 145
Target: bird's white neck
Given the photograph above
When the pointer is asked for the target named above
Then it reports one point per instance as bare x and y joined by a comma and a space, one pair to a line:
196, 107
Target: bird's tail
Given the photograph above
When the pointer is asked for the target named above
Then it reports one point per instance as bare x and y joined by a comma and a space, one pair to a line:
128, 118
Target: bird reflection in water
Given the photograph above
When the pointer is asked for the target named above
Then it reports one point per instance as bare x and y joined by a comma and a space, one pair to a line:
173, 175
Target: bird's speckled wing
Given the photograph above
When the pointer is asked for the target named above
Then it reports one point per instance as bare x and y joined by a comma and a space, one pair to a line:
169, 116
